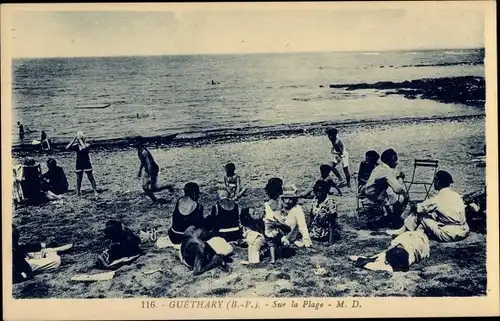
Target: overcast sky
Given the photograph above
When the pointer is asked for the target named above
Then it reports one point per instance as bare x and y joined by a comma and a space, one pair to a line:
115, 33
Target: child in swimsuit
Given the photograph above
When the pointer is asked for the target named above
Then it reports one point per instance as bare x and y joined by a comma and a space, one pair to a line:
233, 182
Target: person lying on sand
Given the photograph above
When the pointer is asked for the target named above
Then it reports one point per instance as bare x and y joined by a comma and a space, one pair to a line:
340, 155
224, 218
55, 178
405, 250
201, 254
325, 176
33, 258
385, 187
323, 224
83, 163
232, 181
151, 170
188, 212
124, 247
366, 167
442, 217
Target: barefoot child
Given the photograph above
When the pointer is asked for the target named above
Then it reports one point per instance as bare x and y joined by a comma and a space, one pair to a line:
340, 155
233, 182
151, 170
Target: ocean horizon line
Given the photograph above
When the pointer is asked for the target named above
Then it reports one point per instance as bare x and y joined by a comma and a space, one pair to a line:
249, 53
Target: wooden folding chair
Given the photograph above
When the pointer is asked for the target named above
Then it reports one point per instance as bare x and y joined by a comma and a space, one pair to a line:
424, 171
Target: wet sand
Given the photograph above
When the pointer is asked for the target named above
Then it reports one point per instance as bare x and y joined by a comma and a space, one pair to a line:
452, 269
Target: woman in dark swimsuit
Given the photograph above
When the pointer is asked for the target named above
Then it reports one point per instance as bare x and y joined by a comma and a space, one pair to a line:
225, 218
83, 163
187, 212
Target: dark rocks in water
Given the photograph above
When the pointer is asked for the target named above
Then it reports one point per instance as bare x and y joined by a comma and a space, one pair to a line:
321, 86
467, 90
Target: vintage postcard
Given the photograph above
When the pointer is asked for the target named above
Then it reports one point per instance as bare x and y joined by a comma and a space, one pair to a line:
249, 160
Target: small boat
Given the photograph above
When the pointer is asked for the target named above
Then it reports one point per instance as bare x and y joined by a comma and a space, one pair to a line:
114, 143
97, 106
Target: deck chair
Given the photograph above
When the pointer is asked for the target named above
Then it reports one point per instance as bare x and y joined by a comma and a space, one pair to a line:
424, 171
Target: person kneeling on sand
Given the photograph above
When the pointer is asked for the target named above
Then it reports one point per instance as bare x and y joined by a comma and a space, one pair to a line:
201, 254
407, 249
441, 217
124, 247
188, 211
224, 218
32, 258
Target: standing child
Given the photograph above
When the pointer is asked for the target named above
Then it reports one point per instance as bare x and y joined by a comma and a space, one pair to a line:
233, 182
340, 155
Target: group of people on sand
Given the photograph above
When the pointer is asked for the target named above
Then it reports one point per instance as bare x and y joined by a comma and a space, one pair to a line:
44, 142
34, 188
207, 239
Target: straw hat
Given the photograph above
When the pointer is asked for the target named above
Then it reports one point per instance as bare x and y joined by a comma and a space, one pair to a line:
290, 191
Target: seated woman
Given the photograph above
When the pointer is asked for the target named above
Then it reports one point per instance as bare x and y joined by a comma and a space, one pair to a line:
34, 189
225, 218
323, 219
188, 211
55, 178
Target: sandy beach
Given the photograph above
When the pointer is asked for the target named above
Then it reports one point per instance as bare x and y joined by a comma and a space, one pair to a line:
455, 269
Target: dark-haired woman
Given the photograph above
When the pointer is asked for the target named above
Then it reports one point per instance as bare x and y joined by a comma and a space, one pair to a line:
188, 212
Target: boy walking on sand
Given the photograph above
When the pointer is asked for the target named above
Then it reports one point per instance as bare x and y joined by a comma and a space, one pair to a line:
340, 155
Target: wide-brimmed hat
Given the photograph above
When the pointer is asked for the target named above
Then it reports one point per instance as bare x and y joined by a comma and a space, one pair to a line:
290, 191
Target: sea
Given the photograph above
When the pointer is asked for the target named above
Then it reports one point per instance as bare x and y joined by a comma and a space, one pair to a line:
194, 94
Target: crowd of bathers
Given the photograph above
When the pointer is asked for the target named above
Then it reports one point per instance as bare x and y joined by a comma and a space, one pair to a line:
207, 239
